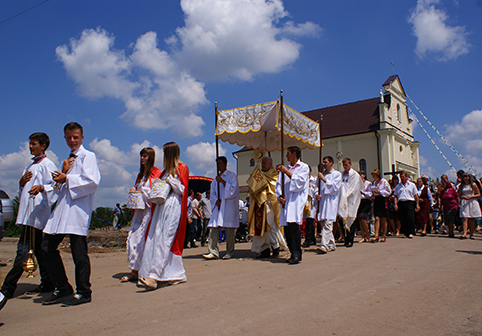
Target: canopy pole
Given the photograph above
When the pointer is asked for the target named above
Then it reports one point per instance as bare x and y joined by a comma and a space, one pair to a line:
282, 146
320, 159
217, 147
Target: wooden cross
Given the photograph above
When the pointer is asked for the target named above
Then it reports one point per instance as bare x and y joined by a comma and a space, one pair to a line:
393, 172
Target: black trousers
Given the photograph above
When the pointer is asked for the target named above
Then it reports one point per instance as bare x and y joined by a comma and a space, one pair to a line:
78, 246
310, 232
293, 239
406, 215
23, 246
350, 234
205, 231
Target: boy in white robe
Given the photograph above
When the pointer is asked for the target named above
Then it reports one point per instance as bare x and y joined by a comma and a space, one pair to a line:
350, 195
326, 202
296, 181
78, 181
36, 197
225, 211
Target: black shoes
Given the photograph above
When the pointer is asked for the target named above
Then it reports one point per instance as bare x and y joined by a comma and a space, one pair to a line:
76, 300
56, 296
350, 244
8, 293
275, 253
264, 254
293, 261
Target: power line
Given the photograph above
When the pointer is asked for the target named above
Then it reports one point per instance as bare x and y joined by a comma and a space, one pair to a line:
23, 11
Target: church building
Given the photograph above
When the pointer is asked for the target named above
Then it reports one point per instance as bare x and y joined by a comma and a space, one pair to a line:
375, 133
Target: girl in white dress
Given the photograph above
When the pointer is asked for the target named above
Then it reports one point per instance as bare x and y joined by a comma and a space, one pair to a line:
142, 217
162, 261
469, 206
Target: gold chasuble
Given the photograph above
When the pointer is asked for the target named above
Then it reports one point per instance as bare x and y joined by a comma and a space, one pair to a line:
261, 188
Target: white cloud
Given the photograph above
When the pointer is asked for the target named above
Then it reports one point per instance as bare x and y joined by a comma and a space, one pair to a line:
12, 166
237, 39
434, 35
220, 39
203, 155
156, 93
467, 132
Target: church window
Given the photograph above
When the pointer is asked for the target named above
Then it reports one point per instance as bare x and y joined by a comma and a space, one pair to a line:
251, 163
399, 115
363, 165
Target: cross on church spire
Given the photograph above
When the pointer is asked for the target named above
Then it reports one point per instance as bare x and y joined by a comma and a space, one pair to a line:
393, 67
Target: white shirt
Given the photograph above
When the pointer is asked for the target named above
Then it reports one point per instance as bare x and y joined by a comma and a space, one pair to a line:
228, 215
35, 212
383, 187
405, 192
330, 192
296, 193
366, 192
76, 197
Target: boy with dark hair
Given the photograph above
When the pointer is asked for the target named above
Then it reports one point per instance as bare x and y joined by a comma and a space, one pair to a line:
78, 181
36, 197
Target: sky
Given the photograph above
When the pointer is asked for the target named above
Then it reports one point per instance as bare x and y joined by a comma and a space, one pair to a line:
143, 73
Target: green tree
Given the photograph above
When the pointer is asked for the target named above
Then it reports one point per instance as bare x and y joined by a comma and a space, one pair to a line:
12, 229
101, 217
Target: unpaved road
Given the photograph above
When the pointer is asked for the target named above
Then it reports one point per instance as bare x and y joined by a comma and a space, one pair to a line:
424, 286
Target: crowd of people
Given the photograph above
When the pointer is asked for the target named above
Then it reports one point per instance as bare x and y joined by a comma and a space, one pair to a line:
286, 203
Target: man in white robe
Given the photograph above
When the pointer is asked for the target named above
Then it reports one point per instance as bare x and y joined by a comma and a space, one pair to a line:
225, 210
350, 195
36, 196
327, 192
296, 177
78, 181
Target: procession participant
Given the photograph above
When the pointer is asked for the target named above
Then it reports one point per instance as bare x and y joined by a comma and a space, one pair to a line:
162, 260
350, 194
296, 188
449, 203
205, 204
197, 215
381, 192
327, 199
190, 229
117, 213
422, 217
225, 211
469, 206
406, 203
309, 215
36, 196
141, 220
79, 180
364, 207
264, 209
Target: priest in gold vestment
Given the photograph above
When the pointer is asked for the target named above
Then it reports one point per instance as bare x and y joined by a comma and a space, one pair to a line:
264, 210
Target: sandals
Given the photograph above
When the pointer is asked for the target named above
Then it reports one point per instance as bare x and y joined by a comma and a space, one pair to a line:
131, 277
148, 285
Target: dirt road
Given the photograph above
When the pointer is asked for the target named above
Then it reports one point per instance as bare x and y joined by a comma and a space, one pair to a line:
425, 286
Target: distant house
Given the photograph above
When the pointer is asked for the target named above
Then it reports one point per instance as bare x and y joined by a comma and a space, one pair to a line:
375, 133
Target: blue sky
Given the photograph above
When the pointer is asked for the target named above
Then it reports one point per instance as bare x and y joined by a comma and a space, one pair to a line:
142, 73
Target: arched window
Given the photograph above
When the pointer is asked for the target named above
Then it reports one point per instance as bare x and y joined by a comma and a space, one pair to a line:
251, 163
399, 115
363, 165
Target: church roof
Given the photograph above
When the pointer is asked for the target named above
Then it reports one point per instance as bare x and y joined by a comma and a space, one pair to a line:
348, 119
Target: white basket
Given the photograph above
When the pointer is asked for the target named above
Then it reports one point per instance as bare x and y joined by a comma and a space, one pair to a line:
159, 191
135, 201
